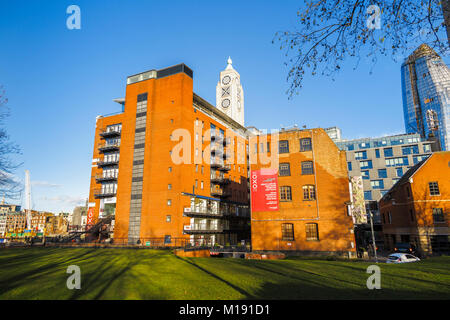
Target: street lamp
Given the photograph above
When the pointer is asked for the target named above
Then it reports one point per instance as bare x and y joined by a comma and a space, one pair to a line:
373, 236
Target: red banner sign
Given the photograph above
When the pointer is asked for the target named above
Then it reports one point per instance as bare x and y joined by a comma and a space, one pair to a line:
264, 190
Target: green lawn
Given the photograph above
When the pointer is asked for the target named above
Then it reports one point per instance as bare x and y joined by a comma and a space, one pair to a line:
40, 273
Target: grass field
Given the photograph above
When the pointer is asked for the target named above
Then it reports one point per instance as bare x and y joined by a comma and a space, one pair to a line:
40, 273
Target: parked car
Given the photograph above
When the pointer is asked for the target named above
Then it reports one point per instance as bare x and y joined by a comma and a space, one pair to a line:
401, 258
403, 247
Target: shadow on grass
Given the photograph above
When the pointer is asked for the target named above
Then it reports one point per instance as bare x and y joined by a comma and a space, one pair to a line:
238, 289
24, 277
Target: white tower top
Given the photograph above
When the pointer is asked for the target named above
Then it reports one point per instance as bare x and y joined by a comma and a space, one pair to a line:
230, 94
230, 62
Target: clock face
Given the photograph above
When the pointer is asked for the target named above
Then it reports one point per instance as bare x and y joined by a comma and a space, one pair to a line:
226, 80
226, 103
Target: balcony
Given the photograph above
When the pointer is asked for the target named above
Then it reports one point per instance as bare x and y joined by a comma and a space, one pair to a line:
109, 134
103, 178
200, 228
217, 137
105, 147
216, 192
225, 167
216, 164
99, 193
106, 163
201, 212
219, 179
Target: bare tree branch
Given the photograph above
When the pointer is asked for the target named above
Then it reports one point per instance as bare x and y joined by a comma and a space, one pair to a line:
333, 30
9, 187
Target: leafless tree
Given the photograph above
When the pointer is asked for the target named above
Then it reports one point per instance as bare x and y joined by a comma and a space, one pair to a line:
332, 30
9, 187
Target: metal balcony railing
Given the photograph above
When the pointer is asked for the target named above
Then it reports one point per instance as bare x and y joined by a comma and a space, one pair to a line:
202, 228
219, 178
110, 133
104, 147
216, 163
106, 177
225, 167
216, 192
201, 212
99, 193
105, 163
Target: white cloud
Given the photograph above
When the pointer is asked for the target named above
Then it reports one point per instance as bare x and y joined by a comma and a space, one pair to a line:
65, 200
45, 184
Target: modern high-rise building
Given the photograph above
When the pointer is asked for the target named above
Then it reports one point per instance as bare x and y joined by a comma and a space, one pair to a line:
426, 95
172, 166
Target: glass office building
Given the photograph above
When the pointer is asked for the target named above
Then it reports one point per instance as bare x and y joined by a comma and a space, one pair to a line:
382, 161
426, 95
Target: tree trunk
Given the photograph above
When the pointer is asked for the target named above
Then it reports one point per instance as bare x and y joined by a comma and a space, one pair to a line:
446, 11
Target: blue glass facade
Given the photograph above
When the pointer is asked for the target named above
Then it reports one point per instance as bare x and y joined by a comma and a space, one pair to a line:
426, 95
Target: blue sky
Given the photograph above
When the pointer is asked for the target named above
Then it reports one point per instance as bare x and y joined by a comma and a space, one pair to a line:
58, 80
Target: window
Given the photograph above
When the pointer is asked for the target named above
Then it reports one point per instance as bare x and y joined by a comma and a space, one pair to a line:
434, 188
287, 232
285, 193
438, 215
364, 145
167, 239
417, 159
388, 152
377, 184
426, 148
309, 192
367, 195
196, 168
268, 147
169, 202
399, 171
349, 166
365, 175
361, 155
382, 173
410, 150
312, 232
169, 186
201, 185
377, 153
283, 146
389, 217
307, 167
305, 144
285, 169
366, 164
168, 218
395, 162
170, 169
